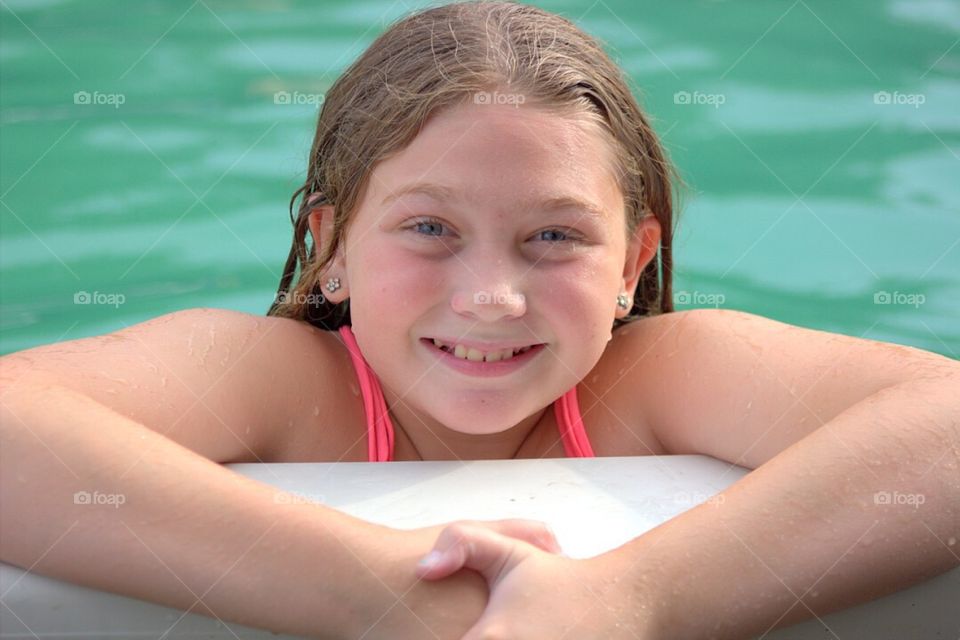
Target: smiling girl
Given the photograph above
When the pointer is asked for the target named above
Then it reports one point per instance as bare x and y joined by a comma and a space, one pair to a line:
481, 269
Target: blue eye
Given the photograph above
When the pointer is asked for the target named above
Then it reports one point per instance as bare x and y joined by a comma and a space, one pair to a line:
427, 222
556, 231
433, 222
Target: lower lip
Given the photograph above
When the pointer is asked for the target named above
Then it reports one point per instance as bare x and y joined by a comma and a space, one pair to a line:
483, 369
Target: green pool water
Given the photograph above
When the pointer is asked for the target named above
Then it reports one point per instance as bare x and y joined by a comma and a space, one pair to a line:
146, 163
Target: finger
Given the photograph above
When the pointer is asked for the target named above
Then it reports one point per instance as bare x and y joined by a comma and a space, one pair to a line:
485, 551
437, 565
449, 553
537, 533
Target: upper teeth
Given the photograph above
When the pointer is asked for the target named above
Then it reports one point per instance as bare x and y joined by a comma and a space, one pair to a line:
467, 353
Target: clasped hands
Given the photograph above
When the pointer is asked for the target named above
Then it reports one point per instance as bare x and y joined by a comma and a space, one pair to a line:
535, 591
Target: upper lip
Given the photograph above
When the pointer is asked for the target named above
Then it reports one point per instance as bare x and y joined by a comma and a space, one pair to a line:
484, 346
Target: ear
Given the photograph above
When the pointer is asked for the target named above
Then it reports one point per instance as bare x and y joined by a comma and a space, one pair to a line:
641, 248
320, 220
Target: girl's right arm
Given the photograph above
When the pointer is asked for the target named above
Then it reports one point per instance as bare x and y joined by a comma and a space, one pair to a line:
95, 494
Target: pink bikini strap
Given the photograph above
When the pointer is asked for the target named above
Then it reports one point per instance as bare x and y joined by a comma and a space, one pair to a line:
379, 428
572, 432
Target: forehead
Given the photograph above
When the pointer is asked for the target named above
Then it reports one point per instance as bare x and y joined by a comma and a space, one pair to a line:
498, 154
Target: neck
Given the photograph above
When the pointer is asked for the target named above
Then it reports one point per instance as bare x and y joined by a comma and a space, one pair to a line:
418, 436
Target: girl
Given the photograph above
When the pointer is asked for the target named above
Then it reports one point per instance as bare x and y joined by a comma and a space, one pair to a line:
490, 223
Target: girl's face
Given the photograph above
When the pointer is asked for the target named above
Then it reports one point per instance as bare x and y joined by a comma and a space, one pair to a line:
473, 232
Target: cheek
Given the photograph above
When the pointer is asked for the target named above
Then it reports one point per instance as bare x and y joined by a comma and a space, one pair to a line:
584, 300
577, 287
388, 279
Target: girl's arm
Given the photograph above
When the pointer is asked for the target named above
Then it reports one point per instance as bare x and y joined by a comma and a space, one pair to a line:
164, 524
109, 478
867, 505
855, 445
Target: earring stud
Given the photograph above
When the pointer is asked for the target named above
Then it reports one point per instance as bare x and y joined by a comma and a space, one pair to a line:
623, 301
333, 284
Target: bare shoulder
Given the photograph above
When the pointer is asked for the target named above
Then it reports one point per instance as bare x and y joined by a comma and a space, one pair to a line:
327, 422
742, 387
612, 410
309, 374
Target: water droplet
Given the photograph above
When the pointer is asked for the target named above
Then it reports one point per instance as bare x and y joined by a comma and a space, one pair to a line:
951, 541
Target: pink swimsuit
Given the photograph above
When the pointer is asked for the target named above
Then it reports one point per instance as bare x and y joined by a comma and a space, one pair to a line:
380, 429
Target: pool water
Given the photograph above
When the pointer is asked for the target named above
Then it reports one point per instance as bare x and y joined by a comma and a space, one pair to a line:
147, 164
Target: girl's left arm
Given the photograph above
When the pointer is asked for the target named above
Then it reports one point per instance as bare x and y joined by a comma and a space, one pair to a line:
866, 505
835, 514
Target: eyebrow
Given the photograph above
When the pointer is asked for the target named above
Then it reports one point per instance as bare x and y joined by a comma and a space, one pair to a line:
444, 194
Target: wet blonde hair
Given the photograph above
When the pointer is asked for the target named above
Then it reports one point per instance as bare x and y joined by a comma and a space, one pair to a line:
444, 56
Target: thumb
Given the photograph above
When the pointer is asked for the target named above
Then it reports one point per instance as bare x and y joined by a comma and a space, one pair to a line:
462, 546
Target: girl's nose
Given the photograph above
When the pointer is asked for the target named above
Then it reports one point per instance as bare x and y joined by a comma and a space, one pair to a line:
490, 305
